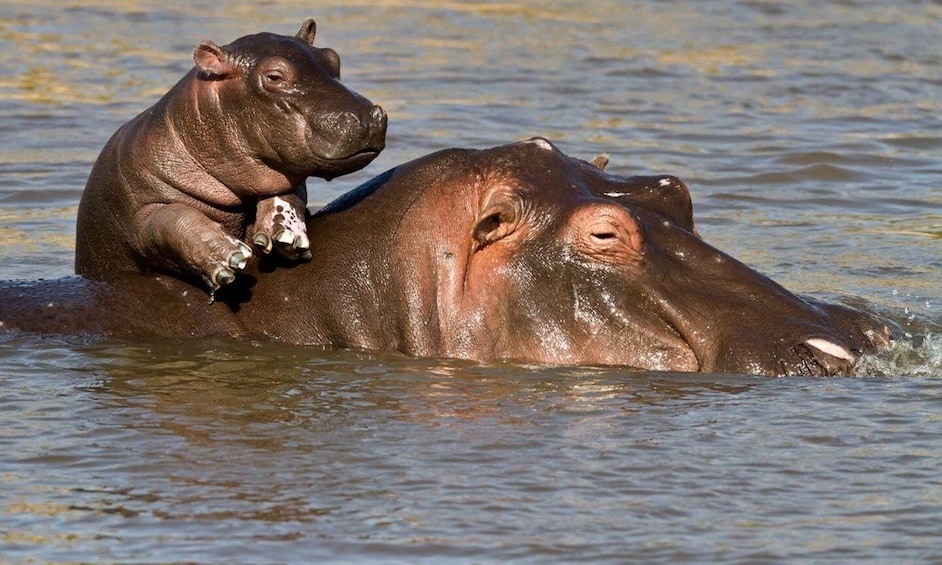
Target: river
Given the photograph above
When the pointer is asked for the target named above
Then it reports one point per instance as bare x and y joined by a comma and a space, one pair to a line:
809, 135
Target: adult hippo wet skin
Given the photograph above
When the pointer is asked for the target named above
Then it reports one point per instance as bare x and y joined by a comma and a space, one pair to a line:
222, 156
517, 252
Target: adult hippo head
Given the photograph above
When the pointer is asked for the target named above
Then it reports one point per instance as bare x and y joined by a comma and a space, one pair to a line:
516, 252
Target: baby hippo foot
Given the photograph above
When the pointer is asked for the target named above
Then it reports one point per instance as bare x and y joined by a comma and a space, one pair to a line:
229, 258
280, 225
177, 238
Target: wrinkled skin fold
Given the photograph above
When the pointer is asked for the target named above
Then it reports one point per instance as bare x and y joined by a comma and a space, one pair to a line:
517, 252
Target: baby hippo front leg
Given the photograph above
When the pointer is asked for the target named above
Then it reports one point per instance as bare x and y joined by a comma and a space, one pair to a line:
280, 224
182, 239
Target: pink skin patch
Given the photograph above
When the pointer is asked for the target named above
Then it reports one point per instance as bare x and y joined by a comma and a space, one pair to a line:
295, 228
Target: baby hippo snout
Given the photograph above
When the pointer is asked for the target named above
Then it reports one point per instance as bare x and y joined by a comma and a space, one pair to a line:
368, 122
363, 131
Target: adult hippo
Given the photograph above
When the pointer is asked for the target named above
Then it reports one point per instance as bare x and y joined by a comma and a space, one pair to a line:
517, 252
223, 156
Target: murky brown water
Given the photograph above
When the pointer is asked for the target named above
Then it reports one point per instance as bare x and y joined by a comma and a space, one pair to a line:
809, 134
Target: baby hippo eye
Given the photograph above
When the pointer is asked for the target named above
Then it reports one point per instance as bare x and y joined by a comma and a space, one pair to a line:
276, 74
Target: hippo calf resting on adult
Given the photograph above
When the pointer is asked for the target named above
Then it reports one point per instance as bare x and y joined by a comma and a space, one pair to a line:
517, 252
222, 156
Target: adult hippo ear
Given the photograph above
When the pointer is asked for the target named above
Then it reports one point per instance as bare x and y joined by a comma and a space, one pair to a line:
600, 161
212, 60
498, 220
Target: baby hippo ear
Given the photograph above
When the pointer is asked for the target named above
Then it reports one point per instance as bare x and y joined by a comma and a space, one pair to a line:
600, 161
211, 60
307, 31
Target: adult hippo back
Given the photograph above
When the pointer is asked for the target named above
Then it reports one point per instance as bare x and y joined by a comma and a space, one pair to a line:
516, 252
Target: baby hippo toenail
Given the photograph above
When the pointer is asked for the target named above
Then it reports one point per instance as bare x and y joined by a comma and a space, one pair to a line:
224, 276
262, 241
284, 237
238, 260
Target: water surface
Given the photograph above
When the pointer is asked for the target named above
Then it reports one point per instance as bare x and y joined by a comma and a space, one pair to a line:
809, 135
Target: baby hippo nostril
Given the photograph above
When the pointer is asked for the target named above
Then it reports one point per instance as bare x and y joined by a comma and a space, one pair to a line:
378, 115
377, 128
349, 121
371, 122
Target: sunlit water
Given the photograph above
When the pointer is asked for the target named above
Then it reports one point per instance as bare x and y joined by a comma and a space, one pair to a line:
809, 133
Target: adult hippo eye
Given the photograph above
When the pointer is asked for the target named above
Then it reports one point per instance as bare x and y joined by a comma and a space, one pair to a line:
607, 232
602, 235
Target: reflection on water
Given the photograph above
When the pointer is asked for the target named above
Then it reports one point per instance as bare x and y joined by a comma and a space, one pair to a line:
809, 135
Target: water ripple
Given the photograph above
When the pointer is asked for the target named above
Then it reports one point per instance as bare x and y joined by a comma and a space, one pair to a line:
808, 134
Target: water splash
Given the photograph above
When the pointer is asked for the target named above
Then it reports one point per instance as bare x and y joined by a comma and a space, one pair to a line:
918, 356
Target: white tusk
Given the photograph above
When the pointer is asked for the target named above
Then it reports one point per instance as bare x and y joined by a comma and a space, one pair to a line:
832, 349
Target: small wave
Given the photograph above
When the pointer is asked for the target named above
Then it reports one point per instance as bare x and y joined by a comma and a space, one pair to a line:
915, 142
920, 356
812, 173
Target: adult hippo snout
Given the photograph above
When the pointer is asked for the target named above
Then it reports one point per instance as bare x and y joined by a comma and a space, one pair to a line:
637, 257
735, 319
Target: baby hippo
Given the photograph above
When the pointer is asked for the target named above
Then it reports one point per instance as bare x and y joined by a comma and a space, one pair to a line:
223, 158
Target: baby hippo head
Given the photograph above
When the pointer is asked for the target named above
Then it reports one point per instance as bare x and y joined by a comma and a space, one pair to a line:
281, 99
